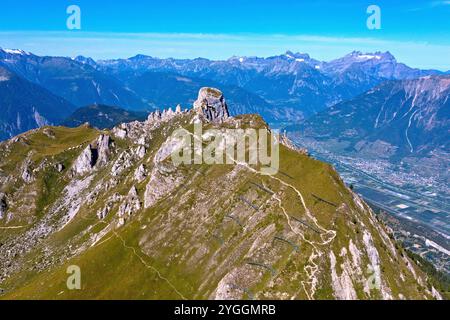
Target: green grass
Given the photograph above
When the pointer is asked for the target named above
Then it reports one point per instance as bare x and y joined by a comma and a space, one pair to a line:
175, 236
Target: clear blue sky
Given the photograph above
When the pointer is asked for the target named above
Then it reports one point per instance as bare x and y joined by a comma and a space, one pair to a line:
416, 32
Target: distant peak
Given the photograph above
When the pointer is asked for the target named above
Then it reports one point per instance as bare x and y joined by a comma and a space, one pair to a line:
139, 57
378, 55
299, 56
85, 60
237, 58
16, 51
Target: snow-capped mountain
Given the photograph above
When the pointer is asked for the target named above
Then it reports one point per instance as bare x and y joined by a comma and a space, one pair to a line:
378, 64
286, 87
291, 81
78, 82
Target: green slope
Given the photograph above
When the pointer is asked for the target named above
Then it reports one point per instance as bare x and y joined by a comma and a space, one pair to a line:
201, 239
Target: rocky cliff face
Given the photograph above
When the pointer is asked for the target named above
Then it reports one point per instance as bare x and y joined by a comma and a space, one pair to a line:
211, 104
140, 227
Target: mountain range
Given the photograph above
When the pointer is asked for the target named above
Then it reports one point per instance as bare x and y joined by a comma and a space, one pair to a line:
288, 87
402, 117
376, 106
291, 81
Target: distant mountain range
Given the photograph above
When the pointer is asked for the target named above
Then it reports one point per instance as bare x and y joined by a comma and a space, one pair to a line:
77, 82
394, 119
288, 87
294, 82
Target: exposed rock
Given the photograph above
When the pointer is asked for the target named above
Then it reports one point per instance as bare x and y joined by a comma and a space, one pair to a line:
142, 141
121, 222
85, 161
102, 213
211, 104
60, 167
159, 186
342, 285
120, 132
154, 116
178, 109
140, 152
26, 175
3, 205
49, 133
103, 142
284, 139
140, 174
123, 162
95, 154
131, 205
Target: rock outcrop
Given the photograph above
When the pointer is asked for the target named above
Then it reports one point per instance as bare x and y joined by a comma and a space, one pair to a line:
103, 142
211, 104
26, 175
95, 154
131, 205
85, 161
140, 174
3, 205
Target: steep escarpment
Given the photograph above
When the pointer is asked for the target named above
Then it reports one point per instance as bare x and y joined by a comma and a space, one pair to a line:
138, 226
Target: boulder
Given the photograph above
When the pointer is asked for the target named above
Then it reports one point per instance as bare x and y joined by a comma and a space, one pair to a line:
140, 151
211, 104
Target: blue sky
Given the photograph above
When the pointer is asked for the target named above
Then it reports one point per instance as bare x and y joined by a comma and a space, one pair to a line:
416, 32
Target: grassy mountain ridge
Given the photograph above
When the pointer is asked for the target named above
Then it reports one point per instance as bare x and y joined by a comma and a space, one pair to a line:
140, 228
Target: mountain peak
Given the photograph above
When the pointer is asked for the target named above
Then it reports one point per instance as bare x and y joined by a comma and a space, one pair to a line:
16, 51
297, 56
85, 60
211, 104
140, 57
378, 55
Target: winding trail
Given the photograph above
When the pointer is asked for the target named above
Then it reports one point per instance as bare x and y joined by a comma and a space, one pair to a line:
12, 227
311, 269
147, 265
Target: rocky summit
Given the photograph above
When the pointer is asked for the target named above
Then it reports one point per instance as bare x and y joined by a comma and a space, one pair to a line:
211, 104
112, 204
